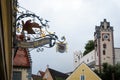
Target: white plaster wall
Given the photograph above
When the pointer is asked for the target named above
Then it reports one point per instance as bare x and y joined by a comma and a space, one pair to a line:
90, 57
77, 57
117, 55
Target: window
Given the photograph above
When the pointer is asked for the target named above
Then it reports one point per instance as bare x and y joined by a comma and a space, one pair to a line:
103, 52
17, 75
104, 46
82, 77
79, 57
87, 60
75, 61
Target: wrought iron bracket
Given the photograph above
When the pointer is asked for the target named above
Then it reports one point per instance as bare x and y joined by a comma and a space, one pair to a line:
50, 38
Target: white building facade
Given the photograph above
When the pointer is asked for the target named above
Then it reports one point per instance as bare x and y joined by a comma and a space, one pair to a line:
117, 55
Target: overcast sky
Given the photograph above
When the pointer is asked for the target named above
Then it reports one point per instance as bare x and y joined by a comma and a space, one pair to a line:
76, 20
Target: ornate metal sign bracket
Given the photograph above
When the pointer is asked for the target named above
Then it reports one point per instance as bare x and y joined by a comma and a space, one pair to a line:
32, 32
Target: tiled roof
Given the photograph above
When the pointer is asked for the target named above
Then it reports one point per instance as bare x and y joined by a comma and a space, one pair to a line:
36, 77
56, 74
41, 73
22, 58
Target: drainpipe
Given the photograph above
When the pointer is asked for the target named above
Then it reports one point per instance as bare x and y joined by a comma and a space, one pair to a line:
99, 54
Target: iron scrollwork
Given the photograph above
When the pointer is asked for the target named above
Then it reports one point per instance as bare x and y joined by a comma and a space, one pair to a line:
35, 31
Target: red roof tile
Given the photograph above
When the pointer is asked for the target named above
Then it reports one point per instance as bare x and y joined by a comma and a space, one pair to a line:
36, 77
21, 58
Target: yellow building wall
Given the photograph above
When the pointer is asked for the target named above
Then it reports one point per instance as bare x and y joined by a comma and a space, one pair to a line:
83, 69
47, 75
6, 8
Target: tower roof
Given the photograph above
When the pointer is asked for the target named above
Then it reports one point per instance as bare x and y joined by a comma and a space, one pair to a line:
104, 26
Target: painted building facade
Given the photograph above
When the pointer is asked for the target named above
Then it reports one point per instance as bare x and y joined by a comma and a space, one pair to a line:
6, 38
104, 45
83, 72
22, 65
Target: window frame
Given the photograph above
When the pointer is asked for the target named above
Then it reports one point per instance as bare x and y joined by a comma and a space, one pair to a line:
17, 75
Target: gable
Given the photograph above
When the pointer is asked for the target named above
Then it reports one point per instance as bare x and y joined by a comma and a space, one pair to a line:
51, 74
36, 77
21, 58
47, 75
83, 69
57, 75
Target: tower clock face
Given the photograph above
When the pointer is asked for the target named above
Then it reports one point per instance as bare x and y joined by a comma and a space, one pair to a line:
106, 36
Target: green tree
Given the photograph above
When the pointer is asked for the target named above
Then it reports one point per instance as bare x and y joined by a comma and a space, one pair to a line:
117, 72
109, 72
89, 47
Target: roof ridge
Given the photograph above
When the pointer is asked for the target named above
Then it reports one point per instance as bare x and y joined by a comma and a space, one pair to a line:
55, 73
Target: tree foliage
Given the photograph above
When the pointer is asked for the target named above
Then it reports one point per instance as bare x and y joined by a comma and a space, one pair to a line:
109, 72
89, 47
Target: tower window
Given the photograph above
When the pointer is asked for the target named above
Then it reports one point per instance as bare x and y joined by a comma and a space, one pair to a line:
104, 52
104, 45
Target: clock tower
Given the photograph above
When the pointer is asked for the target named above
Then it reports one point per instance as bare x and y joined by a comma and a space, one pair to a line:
104, 44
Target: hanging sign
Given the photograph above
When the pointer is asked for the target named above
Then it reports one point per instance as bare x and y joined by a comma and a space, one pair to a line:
61, 47
34, 44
